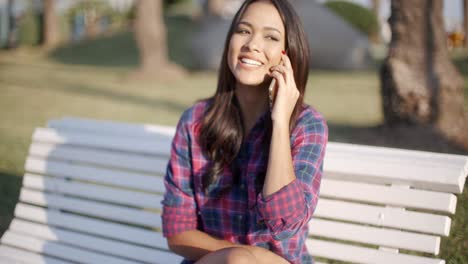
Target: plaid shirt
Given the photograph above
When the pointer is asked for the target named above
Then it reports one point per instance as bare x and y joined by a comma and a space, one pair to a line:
241, 214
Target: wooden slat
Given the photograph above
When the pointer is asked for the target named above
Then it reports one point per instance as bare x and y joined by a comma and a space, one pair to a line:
92, 191
110, 127
121, 160
135, 235
386, 166
105, 211
383, 216
58, 250
356, 254
101, 245
98, 175
375, 236
136, 145
387, 195
405, 156
12, 254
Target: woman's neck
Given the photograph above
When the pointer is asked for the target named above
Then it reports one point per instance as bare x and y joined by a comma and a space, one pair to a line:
253, 101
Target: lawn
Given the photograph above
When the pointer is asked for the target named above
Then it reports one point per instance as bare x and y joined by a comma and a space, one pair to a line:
90, 80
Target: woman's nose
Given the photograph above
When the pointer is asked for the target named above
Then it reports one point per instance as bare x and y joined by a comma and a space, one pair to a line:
253, 43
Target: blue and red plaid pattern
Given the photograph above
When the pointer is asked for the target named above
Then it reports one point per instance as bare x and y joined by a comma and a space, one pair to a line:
241, 214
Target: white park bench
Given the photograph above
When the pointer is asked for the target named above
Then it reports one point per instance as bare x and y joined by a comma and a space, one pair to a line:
92, 191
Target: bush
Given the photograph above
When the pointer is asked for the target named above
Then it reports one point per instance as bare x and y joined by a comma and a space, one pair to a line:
359, 17
30, 28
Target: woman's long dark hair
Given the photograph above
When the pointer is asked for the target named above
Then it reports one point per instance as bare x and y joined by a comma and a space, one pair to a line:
222, 131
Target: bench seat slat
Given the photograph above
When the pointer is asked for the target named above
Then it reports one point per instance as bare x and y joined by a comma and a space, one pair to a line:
93, 226
383, 216
387, 195
101, 245
127, 161
98, 175
58, 250
135, 145
356, 254
22, 256
92, 208
92, 191
376, 236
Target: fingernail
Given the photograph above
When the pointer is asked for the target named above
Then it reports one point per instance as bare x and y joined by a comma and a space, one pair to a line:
283, 52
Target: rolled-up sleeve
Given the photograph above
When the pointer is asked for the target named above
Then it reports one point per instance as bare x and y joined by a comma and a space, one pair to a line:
288, 210
179, 210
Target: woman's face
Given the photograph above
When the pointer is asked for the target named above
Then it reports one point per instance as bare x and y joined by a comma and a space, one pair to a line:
256, 44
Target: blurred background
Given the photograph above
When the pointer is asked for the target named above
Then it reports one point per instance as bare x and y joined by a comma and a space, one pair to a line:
382, 73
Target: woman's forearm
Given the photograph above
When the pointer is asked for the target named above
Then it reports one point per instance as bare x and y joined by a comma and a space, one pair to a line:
280, 170
195, 244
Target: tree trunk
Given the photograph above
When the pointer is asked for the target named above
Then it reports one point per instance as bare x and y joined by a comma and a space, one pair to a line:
214, 7
375, 37
51, 36
419, 83
150, 34
465, 21
12, 40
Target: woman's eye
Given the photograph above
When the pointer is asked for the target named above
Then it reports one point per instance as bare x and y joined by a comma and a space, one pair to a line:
272, 38
242, 31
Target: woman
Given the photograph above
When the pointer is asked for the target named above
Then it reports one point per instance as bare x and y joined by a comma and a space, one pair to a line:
243, 179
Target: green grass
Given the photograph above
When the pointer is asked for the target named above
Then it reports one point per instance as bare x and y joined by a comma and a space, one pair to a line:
89, 80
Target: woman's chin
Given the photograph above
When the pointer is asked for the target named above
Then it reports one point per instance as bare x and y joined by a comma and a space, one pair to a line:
258, 81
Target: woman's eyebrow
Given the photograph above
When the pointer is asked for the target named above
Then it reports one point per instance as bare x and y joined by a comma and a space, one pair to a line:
266, 28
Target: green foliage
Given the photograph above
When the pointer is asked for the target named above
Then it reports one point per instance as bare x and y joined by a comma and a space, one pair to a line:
100, 8
359, 17
30, 28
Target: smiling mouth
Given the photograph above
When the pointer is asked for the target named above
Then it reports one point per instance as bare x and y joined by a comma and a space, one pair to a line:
250, 62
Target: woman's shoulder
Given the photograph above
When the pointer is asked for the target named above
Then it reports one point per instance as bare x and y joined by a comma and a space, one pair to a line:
194, 114
311, 120
310, 114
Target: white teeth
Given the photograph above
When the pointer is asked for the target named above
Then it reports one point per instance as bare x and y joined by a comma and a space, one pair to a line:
251, 62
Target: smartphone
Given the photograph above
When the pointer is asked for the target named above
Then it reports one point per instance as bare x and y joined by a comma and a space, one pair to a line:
272, 93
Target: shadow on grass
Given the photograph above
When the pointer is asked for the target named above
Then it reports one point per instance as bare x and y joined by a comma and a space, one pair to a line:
404, 136
108, 94
120, 49
9, 191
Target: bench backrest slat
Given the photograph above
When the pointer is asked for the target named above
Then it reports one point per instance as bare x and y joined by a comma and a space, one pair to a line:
375, 236
119, 160
356, 254
99, 227
389, 195
86, 241
59, 250
99, 175
383, 216
14, 255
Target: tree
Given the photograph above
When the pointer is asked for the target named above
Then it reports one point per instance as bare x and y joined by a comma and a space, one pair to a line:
465, 21
150, 34
376, 10
50, 30
12, 40
214, 7
419, 83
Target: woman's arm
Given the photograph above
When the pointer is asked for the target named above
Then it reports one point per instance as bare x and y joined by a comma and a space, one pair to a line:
194, 245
